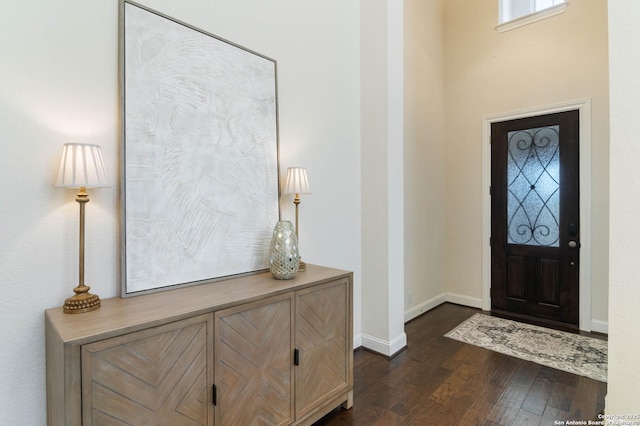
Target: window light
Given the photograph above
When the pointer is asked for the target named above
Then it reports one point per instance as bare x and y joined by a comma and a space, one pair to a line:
516, 13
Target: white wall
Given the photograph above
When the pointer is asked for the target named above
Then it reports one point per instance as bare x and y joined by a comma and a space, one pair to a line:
549, 62
424, 156
623, 392
58, 83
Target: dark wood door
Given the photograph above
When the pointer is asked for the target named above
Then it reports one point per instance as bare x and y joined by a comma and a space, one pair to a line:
535, 224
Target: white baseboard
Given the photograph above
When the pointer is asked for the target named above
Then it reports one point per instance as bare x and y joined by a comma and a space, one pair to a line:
416, 311
600, 326
461, 299
388, 348
357, 340
391, 348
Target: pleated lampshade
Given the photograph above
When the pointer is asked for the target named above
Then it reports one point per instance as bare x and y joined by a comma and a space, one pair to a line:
81, 165
297, 182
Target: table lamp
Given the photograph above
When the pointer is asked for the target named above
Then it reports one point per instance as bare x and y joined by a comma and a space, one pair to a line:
297, 183
81, 167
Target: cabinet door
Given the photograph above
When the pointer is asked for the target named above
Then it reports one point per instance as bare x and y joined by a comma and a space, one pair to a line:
157, 376
254, 363
323, 339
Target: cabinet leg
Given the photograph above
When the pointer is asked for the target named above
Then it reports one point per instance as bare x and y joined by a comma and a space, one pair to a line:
349, 402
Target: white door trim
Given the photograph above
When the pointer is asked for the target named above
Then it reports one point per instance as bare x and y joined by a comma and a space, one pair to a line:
584, 108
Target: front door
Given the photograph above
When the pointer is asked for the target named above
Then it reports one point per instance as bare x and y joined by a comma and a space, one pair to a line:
535, 224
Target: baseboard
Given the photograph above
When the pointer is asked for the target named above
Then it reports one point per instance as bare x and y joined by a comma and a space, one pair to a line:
460, 299
597, 326
600, 326
387, 348
423, 307
434, 302
357, 341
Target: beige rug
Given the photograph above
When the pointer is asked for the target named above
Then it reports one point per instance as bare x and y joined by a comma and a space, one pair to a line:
569, 352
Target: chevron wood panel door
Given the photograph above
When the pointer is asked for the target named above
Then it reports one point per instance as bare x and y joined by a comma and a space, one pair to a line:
322, 337
158, 376
254, 363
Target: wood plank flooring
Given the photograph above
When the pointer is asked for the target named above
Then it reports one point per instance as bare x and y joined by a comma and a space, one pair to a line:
439, 381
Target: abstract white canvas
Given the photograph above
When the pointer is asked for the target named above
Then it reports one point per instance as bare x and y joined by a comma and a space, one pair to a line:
200, 154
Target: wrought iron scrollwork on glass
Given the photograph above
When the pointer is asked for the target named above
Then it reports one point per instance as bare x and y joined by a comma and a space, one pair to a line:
533, 187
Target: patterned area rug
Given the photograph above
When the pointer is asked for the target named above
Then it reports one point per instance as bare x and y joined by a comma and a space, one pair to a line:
569, 352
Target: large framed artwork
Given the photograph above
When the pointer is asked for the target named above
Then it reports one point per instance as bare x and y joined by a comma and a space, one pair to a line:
199, 154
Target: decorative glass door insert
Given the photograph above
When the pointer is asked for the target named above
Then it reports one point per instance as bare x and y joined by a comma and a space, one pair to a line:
533, 187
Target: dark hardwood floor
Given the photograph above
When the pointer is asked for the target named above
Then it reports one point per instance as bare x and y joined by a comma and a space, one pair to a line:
439, 381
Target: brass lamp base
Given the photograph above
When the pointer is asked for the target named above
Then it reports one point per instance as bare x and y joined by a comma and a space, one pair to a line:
302, 267
83, 301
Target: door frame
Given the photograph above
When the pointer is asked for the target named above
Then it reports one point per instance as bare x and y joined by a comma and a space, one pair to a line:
584, 110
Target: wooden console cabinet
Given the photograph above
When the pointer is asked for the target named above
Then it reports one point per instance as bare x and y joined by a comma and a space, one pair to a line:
248, 350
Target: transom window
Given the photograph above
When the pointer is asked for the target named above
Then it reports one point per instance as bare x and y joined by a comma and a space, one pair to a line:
515, 13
